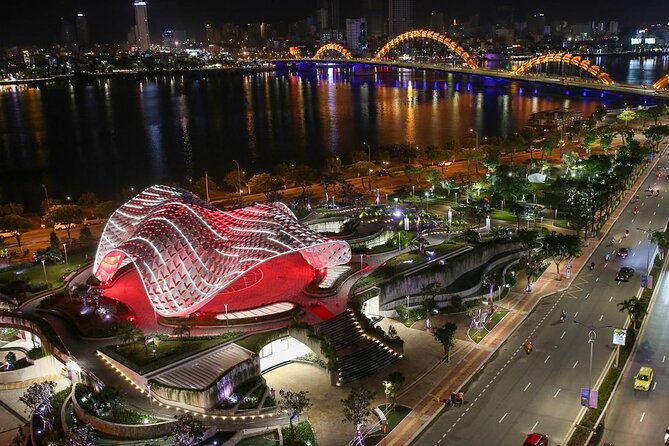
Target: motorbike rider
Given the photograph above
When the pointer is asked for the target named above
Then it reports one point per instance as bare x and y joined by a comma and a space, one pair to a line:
592, 265
529, 346
637, 198
627, 232
563, 316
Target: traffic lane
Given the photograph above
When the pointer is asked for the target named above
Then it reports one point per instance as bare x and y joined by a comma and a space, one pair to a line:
502, 403
622, 425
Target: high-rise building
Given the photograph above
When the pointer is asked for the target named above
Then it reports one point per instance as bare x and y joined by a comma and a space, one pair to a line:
356, 34
66, 33
400, 17
142, 25
373, 12
82, 31
437, 22
613, 27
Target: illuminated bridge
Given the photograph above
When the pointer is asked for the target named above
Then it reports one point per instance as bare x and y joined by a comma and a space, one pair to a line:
187, 251
333, 52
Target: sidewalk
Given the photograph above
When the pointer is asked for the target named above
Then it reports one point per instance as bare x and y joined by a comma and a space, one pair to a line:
520, 304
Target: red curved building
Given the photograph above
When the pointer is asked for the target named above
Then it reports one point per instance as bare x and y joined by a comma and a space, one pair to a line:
187, 251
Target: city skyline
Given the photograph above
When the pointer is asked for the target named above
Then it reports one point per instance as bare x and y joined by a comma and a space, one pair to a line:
110, 22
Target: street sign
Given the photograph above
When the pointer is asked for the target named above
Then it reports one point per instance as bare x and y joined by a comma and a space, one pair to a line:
589, 402
619, 336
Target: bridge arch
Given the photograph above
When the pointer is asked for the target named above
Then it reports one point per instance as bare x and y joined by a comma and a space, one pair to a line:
662, 82
567, 58
332, 47
429, 35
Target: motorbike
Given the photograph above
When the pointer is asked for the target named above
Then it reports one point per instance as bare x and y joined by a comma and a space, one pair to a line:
666, 436
636, 200
627, 232
562, 316
529, 347
635, 211
592, 266
657, 193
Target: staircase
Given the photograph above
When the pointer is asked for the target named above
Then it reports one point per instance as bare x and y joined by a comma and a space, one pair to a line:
359, 355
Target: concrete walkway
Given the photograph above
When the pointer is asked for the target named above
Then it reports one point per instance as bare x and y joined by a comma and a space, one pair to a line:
520, 304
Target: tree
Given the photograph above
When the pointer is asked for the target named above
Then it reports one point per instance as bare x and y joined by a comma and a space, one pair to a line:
88, 200
534, 265
655, 134
413, 174
187, 431
357, 407
234, 180
296, 402
265, 184
181, 330
393, 384
661, 239
445, 335
54, 241
429, 304
332, 165
561, 247
10, 360
656, 112
510, 183
627, 115
85, 236
304, 176
11, 208
38, 399
570, 159
529, 241
358, 156
106, 400
15, 224
605, 140
126, 332
635, 308
81, 435
105, 209
67, 215
363, 169
201, 185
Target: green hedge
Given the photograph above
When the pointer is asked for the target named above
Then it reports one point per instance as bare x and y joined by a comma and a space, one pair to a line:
303, 434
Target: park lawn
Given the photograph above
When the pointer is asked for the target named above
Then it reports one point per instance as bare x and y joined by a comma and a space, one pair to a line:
271, 439
54, 273
478, 335
143, 359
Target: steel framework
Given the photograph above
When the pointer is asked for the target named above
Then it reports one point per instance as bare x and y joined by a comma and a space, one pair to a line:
187, 251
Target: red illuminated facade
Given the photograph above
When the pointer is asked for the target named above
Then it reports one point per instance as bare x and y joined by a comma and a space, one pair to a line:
187, 251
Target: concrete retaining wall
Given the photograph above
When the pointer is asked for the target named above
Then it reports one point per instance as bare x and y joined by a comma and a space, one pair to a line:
47, 366
395, 292
133, 431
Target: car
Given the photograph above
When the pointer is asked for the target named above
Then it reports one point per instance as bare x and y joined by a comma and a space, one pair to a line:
6, 234
561, 143
643, 379
59, 226
94, 221
536, 439
623, 252
445, 163
625, 274
381, 172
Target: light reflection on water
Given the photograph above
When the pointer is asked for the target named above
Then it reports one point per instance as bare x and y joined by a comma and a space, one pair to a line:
120, 133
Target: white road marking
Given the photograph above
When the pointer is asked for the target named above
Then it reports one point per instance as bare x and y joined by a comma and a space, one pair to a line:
563, 333
534, 427
556, 393
527, 387
633, 254
575, 364
586, 296
601, 317
502, 419
650, 221
642, 416
663, 358
575, 314
597, 278
547, 358
610, 298
639, 242
655, 212
654, 384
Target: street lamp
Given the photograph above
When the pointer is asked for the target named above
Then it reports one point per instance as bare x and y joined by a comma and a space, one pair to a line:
592, 336
46, 194
65, 249
46, 280
239, 178
427, 201
369, 150
477, 136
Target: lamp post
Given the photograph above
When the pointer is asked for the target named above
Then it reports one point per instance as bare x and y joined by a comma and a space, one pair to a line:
44, 269
369, 150
592, 336
46, 194
227, 321
477, 136
427, 201
65, 249
239, 179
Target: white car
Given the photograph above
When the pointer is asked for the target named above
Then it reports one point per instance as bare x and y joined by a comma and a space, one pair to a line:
6, 234
58, 226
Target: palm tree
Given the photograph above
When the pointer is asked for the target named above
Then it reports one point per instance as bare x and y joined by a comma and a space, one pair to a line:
635, 308
661, 239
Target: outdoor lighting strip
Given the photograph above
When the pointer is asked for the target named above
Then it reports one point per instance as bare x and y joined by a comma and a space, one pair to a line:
187, 251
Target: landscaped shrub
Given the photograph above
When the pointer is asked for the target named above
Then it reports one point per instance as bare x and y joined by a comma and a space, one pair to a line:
37, 285
36, 353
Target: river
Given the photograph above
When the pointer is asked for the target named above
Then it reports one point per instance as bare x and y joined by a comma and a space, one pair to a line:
118, 133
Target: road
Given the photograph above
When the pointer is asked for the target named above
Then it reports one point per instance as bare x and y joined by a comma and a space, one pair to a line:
635, 417
518, 393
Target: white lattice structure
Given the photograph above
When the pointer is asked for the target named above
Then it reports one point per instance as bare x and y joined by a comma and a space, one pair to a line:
187, 251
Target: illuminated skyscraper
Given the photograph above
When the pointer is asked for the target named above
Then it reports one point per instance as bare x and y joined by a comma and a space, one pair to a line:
142, 25
400, 17
82, 32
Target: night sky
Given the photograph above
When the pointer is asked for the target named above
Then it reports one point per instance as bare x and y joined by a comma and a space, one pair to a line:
37, 21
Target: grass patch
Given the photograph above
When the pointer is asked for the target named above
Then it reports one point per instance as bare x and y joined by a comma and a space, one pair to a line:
252, 401
143, 359
271, 439
394, 417
477, 335
302, 434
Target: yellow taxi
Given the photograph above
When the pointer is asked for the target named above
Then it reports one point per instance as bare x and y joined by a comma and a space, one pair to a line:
643, 379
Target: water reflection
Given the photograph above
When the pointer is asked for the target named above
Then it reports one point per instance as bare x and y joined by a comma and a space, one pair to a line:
117, 133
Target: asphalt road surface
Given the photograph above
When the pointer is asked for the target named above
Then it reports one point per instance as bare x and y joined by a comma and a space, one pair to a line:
517, 393
636, 417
